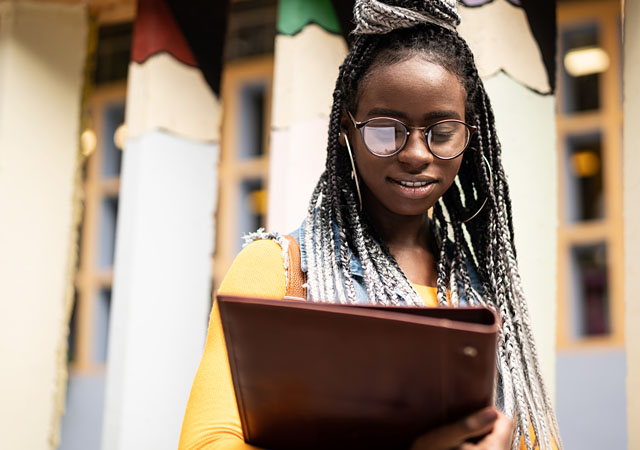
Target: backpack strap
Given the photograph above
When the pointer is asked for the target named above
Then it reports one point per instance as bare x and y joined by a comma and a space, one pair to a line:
296, 277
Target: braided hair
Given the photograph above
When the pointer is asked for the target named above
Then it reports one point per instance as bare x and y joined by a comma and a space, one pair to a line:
486, 242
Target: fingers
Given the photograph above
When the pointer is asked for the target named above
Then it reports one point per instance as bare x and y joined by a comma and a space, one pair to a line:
480, 422
499, 438
503, 429
451, 436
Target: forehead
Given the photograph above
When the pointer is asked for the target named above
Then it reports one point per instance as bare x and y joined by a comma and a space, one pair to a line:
415, 87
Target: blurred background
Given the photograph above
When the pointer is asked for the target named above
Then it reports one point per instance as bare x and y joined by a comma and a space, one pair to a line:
139, 140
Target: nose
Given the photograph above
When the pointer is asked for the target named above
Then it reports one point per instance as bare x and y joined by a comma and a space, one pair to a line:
415, 153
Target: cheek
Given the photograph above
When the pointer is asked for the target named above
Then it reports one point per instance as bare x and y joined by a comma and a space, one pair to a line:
370, 168
457, 167
361, 155
451, 171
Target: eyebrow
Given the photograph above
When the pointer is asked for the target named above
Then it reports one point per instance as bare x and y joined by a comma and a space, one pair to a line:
440, 114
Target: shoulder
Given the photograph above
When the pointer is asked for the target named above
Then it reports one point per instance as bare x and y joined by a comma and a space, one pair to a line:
261, 249
258, 271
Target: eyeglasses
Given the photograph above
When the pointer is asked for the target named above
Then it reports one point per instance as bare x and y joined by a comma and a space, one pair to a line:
385, 137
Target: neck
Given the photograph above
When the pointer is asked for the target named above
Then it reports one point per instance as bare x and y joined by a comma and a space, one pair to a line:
399, 231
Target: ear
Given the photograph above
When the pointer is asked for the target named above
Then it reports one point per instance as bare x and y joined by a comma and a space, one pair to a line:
344, 128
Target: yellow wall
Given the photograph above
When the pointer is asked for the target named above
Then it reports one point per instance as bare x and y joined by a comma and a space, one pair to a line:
42, 51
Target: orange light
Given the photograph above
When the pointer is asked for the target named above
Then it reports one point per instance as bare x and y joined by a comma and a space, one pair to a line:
258, 201
586, 163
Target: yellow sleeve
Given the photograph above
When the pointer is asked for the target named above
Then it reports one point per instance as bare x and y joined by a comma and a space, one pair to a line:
211, 419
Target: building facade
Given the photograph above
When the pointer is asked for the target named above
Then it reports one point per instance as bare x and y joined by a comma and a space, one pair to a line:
170, 129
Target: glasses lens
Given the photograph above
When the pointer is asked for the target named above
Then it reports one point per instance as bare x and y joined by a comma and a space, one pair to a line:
384, 136
448, 139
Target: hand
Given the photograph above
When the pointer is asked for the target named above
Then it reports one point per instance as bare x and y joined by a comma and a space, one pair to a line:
495, 428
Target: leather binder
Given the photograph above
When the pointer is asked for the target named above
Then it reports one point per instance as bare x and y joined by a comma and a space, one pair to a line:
315, 375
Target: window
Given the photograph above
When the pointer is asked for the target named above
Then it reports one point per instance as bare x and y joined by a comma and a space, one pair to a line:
583, 175
244, 144
94, 280
589, 123
244, 164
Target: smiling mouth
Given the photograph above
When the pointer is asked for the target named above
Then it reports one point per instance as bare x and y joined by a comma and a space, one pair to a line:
412, 184
414, 189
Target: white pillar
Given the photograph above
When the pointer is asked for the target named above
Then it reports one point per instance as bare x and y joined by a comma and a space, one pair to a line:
307, 58
631, 189
162, 279
42, 54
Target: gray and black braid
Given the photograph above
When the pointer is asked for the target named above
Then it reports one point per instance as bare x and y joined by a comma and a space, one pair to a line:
486, 242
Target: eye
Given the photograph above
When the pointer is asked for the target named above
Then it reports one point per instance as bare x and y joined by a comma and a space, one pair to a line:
448, 139
383, 136
446, 131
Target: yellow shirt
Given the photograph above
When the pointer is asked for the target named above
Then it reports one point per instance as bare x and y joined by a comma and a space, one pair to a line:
211, 419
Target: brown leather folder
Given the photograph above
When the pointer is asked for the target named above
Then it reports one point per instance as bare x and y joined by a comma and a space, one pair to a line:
316, 375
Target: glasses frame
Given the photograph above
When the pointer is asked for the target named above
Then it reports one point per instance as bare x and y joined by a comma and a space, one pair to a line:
425, 133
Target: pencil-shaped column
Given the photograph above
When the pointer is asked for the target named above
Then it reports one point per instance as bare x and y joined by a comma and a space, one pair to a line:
162, 279
308, 51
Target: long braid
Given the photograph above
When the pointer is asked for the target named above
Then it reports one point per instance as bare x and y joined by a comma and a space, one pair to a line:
443, 260
522, 310
511, 341
334, 228
521, 318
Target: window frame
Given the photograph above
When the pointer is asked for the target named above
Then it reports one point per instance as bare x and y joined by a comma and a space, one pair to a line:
608, 122
90, 277
233, 170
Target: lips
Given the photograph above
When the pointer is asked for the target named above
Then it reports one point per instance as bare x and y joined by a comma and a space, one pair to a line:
414, 188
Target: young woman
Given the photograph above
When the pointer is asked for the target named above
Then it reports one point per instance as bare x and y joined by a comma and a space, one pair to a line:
411, 130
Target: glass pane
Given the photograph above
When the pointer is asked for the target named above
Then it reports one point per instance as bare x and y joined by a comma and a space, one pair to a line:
585, 190
113, 53
590, 312
101, 325
107, 235
251, 121
582, 62
252, 208
111, 155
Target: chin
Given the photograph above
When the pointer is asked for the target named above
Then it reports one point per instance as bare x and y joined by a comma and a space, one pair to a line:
410, 210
